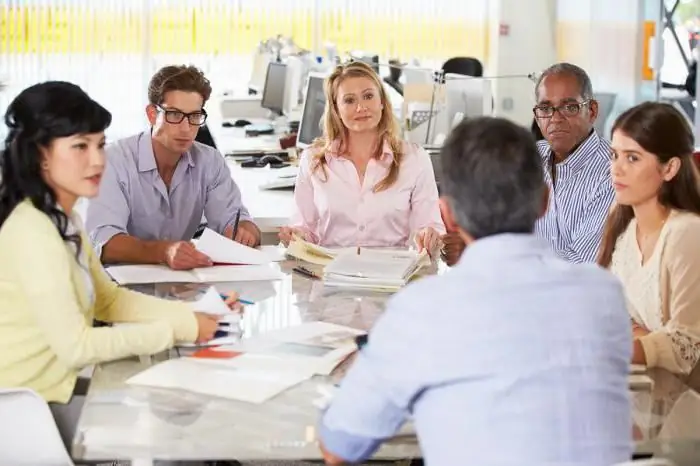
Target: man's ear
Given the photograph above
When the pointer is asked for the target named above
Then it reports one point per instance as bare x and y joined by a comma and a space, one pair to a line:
545, 202
593, 110
448, 216
151, 114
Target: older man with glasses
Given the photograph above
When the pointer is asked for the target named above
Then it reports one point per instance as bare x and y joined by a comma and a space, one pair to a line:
576, 165
159, 183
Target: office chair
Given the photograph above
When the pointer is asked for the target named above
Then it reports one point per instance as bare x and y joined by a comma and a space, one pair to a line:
468, 66
204, 136
394, 77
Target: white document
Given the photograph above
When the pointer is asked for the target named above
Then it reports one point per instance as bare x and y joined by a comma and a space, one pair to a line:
134, 274
212, 303
273, 253
245, 384
225, 251
314, 346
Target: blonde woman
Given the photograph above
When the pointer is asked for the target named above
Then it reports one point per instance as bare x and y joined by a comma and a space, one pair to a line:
360, 184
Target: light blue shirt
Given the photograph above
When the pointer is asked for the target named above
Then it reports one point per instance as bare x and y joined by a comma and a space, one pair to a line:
512, 357
579, 199
134, 200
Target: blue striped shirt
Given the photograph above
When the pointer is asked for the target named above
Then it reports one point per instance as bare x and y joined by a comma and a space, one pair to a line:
579, 199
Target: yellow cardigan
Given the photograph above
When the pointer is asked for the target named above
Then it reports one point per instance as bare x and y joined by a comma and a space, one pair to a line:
46, 333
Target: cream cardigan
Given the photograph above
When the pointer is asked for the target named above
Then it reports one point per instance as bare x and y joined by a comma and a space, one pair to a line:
663, 295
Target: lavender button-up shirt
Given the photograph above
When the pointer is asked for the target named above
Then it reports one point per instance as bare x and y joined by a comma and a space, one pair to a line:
134, 200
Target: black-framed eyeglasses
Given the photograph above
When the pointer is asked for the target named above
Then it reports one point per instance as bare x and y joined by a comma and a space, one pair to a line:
175, 117
570, 109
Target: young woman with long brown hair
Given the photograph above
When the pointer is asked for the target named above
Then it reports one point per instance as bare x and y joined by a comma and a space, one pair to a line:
652, 236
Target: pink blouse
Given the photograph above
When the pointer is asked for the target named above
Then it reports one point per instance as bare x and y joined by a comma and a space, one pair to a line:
339, 211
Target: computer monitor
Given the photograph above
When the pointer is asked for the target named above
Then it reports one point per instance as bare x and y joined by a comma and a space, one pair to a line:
273, 92
312, 112
296, 68
466, 97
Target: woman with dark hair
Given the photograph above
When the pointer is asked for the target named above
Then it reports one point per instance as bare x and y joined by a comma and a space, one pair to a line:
652, 236
52, 285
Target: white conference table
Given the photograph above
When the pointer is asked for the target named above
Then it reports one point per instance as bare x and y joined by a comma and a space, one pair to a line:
119, 421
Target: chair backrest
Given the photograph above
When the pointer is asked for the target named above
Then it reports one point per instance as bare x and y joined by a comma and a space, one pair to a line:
606, 103
468, 66
28, 432
648, 462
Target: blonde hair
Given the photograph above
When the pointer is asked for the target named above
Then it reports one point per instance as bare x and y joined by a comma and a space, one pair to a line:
334, 129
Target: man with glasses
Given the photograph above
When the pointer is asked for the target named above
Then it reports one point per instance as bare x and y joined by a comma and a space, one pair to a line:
159, 183
576, 165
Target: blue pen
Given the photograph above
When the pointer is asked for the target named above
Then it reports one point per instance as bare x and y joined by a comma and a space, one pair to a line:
242, 301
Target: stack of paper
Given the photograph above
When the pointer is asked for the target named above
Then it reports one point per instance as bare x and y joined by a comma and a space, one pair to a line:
376, 269
234, 262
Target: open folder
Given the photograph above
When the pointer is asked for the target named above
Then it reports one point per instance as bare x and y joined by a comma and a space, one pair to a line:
309, 252
376, 269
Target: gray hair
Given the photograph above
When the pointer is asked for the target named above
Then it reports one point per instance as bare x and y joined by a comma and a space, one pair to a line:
584, 81
492, 176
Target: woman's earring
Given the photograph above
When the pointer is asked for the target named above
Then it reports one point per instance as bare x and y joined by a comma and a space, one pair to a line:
44, 166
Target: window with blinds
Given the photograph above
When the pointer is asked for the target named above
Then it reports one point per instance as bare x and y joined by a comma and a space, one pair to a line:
111, 47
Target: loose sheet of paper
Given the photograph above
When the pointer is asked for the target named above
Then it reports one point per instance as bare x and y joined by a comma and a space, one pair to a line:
223, 250
211, 303
244, 384
139, 274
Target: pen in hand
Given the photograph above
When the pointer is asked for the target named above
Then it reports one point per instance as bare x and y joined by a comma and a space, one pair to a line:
235, 224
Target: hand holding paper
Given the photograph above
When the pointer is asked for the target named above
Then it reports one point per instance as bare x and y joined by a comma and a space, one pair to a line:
224, 251
212, 303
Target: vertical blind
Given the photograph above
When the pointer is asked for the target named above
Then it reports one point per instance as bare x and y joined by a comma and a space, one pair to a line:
111, 47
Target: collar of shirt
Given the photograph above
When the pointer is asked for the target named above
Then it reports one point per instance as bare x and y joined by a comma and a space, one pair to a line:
147, 158
576, 160
501, 247
386, 158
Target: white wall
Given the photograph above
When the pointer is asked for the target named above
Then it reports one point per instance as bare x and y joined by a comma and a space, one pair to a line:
527, 46
606, 39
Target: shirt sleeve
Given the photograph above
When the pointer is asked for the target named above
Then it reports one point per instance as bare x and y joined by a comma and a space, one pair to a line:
108, 213
377, 394
425, 204
223, 197
305, 216
676, 346
588, 229
43, 272
120, 305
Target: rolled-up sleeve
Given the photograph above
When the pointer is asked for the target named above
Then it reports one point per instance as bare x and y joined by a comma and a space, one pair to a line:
377, 394
223, 197
108, 213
